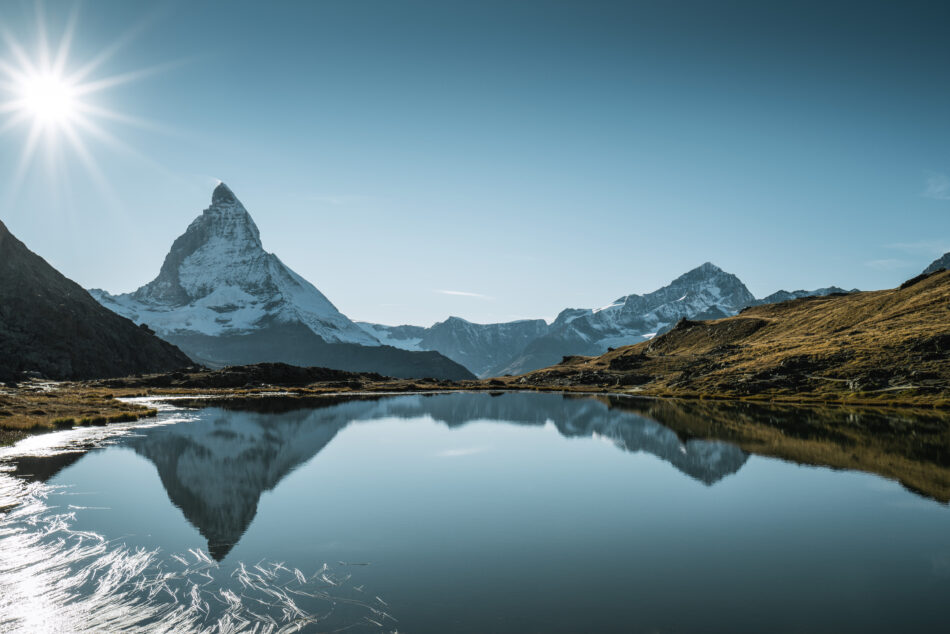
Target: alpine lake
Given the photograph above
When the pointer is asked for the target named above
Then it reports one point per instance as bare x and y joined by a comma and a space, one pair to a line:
480, 512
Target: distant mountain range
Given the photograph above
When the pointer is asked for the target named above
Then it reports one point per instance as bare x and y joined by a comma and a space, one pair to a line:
225, 301
479, 347
706, 292
51, 326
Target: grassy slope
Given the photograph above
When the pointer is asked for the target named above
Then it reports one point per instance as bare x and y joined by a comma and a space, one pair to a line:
882, 346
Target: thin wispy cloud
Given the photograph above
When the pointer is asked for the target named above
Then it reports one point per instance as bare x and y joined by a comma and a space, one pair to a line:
924, 247
341, 200
466, 451
887, 264
938, 186
464, 294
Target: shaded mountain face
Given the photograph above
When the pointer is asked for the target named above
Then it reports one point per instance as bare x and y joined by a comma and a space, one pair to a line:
943, 262
297, 345
478, 347
216, 468
50, 325
225, 300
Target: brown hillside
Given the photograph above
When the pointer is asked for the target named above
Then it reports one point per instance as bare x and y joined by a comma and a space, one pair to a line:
891, 345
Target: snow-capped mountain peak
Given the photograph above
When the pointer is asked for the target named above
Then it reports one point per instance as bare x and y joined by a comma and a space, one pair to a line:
705, 292
223, 195
705, 289
217, 279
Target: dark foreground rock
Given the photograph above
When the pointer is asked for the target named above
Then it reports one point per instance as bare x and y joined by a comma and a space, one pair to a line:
51, 327
246, 376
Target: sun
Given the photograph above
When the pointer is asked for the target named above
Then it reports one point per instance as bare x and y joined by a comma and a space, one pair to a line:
50, 99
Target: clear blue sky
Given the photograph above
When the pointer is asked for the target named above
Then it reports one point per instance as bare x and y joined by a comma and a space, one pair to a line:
540, 154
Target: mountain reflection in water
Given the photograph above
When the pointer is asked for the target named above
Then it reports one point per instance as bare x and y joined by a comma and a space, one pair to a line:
216, 468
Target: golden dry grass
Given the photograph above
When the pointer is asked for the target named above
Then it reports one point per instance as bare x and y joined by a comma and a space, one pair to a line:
37, 407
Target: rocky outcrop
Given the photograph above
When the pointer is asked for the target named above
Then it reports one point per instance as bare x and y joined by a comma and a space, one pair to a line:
943, 262
787, 296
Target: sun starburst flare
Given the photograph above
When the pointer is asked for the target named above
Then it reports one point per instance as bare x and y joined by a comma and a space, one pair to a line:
53, 98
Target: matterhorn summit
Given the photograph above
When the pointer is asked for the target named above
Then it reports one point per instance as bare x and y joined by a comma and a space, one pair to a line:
217, 279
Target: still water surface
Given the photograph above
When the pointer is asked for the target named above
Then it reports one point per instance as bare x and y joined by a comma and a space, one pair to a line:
457, 513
